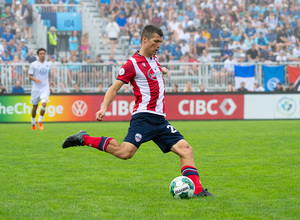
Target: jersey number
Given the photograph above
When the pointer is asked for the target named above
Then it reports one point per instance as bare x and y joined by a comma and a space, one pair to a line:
173, 130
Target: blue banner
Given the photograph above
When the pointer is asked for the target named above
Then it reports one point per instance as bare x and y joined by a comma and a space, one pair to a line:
273, 75
68, 21
49, 19
244, 74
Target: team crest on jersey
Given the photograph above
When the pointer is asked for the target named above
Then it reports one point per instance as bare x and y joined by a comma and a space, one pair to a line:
144, 64
153, 73
121, 72
138, 137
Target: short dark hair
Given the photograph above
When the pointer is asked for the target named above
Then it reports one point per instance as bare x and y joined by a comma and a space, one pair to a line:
149, 30
41, 49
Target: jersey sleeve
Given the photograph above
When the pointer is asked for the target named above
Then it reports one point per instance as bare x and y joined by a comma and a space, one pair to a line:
127, 72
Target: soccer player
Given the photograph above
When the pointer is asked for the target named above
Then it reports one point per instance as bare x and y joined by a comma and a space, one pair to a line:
148, 121
39, 72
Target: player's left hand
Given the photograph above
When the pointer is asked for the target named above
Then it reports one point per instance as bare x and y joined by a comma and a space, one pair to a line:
164, 70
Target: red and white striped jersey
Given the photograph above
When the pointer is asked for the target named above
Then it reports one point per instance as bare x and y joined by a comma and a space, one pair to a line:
146, 77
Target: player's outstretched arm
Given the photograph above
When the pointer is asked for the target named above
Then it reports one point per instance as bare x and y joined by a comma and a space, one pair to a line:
108, 98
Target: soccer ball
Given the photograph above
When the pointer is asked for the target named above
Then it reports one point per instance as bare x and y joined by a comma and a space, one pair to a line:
182, 187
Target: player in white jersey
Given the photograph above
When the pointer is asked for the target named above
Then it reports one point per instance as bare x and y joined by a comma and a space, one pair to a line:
39, 73
148, 121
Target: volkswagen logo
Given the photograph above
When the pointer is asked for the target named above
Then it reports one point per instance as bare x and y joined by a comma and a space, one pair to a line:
79, 108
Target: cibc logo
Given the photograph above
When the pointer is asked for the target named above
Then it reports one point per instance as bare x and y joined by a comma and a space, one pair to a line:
232, 107
210, 107
79, 108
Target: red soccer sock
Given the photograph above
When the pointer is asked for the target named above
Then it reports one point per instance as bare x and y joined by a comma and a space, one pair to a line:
96, 142
192, 173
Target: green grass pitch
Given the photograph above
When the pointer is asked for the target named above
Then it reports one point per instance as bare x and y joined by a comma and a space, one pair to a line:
251, 166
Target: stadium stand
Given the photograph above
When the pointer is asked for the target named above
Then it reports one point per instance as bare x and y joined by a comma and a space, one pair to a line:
223, 29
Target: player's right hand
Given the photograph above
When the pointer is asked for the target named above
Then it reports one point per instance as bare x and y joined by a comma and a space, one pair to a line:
100, 114
39, 81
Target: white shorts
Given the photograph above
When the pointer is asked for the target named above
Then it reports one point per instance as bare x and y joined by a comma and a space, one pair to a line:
36, 96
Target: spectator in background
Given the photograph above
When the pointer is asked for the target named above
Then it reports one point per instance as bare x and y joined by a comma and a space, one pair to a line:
134, 23
17, 68
257, 87
113, 32
99, 88
201, 88
271, 20
296, 50
282, 41
201, 43
253, 53
224, 37
230, 88
17, 88
73, 44
114, 8
136, 42
7, 36
75, 69
229, 66
18, 36
84, 46
271, 38
51, 42
176, 55
29, 18
279, 88
7, 58
17, 10
205, 58
156, 20
250, 31
30, 58
242, 89
271, 57
104, 6
281, 57
172, 27
190, 12
184, 47
217, 72
291, 87
215, 33
191, 30
9, 13
262, 45
291, 56
1, 48
110, 62
122, 22
226, 52
2, 89
77, 89
188, 87
175, 88
63, 88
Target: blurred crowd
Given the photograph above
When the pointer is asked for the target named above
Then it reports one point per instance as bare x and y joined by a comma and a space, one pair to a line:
195, 31
255, 30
